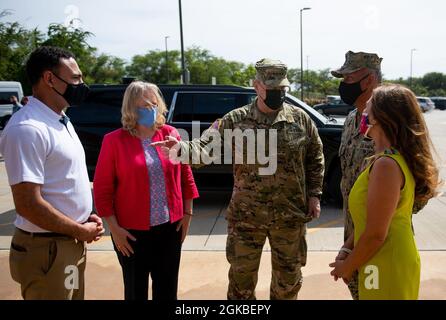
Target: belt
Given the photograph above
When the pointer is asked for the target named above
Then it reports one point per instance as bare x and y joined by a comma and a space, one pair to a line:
44, 234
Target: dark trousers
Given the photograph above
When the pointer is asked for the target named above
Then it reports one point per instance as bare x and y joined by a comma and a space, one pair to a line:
157, 253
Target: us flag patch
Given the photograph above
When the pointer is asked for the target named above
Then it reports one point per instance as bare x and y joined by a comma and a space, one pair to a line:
216, 124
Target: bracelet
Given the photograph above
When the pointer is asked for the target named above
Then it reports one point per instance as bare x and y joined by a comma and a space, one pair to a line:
346, 250
188, 213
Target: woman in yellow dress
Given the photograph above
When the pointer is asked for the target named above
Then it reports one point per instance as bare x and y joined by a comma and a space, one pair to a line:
383, 248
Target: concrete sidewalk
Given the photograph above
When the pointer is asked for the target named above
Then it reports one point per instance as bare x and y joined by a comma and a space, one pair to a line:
203, 276
203, 273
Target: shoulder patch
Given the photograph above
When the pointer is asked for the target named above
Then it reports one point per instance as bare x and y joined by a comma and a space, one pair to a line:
216, 124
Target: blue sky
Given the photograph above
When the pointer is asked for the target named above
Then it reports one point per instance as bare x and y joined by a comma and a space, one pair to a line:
248, 30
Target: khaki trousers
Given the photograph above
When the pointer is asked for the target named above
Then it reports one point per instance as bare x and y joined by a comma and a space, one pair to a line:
48, 268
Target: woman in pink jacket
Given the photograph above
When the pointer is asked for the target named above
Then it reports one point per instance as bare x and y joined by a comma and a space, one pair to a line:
144, 197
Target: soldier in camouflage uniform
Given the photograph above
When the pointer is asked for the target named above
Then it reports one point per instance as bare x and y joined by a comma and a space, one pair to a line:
361, 74
275, 206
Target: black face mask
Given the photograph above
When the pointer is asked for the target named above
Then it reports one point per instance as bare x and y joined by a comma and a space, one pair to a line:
350, 92
274, 98
75, 93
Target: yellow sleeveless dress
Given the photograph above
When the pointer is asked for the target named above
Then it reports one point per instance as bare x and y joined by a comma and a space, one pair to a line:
393, 273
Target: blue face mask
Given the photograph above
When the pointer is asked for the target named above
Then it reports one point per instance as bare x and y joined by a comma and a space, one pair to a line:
147, 117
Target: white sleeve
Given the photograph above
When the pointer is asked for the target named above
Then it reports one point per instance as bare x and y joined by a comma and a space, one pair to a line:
24, 149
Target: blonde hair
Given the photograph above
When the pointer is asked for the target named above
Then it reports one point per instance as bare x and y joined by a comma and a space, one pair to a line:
134, 92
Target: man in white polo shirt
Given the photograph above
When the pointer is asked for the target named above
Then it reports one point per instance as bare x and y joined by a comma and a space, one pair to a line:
46, 168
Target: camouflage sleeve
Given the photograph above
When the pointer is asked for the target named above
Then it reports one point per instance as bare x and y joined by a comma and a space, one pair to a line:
200, 152
314, 162
344, 134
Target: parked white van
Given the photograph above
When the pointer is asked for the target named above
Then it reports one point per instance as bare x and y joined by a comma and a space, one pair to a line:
8, 89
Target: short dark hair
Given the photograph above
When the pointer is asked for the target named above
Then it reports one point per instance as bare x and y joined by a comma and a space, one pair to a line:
44, 58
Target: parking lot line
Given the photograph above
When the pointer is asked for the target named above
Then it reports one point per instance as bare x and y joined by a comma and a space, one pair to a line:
325, 225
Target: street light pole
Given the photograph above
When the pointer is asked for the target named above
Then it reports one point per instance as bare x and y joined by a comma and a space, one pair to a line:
167, 59
183, 64
307, 79
302, 57
411, 66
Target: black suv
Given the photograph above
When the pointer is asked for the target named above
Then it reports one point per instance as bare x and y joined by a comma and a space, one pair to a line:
101, 113
334, 109
440, 102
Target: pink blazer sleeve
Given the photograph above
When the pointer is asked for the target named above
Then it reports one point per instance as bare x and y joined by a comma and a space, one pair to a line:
188, 186
105, 179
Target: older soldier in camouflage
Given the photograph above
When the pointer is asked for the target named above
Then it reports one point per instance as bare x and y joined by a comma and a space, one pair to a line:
277, 205
361, 74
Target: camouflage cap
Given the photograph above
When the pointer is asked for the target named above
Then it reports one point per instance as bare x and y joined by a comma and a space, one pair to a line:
273, 73
355, 61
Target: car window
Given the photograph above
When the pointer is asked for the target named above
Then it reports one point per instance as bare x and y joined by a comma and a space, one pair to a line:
95, 113
314, 115
330, 111
4, 96
206, 106
108, 97
183, 108
167, 96
251, 98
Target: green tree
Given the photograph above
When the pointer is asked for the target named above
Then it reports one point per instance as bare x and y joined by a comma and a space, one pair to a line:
107, 69
435, 83
317, 84
96, 68
415, 85
16, 43
76, 41
244, 76
203, 66
152, 67
200, 63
